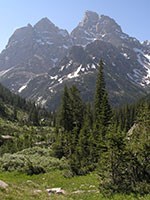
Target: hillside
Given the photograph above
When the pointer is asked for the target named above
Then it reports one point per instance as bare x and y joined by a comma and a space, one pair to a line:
80, 153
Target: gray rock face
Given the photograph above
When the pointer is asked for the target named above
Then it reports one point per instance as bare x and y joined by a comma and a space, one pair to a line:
102, 27
18, 49
146, 46
38, 60
32, 51
79, 67
38, 47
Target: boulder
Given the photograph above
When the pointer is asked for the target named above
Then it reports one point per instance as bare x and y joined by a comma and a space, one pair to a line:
55, 191
3, 185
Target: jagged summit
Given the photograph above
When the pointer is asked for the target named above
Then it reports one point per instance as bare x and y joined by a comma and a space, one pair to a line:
44, 25
94, 27
89, 17
109, 24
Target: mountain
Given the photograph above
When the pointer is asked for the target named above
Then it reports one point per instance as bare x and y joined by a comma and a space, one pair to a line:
39, 60
32, 51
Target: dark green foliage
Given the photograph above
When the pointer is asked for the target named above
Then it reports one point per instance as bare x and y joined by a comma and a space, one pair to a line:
126, 116
58, 146
70, 121
82, 161
31, 169
125, 165
102, 110
99, 93
15, 108
66, 115
139, 150
102, 115
81, 140
112, 164
34, 116
77, 107
71, 111
2, 109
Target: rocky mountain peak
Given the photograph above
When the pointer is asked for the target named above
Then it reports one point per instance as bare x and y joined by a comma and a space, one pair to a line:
94, 27
90, 18
21, 34
108, 24
44, 25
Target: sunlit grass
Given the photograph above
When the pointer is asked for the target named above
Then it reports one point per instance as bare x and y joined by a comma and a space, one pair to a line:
23, 187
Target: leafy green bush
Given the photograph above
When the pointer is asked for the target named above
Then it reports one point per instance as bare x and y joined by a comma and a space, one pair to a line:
12, 162
32, 161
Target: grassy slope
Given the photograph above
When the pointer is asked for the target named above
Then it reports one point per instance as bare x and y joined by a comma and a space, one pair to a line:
23, 187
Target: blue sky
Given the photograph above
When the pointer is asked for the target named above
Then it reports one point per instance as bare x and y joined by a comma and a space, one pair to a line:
132, 15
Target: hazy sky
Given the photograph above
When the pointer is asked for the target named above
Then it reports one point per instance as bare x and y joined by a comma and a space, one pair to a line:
132, 15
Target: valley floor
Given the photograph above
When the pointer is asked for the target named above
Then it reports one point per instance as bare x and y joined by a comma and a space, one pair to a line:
23, 187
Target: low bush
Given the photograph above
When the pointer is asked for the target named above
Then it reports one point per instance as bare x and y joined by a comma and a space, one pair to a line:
40, 160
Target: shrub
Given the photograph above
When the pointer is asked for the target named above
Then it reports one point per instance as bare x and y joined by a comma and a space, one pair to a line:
32, 161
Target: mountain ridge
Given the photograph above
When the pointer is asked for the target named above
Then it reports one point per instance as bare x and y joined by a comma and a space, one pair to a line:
47, 57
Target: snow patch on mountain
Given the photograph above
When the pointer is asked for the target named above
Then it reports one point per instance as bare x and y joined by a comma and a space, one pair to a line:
147, 56
5, 71
93, 66
24, 86
125, 55
69, 64
38, 57
113, 64
75, 74
54, 77
141, 76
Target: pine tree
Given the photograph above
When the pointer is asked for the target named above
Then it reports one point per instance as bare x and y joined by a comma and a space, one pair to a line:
77, 107
66, 115
102, 115
70, 120
72, 109
113, 162
83, 155
99, 92
102, 110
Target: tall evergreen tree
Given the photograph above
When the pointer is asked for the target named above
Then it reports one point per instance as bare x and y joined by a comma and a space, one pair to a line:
66, 115
77, 107
99, 92
83, 161
102, 114
71, 119
102, 110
